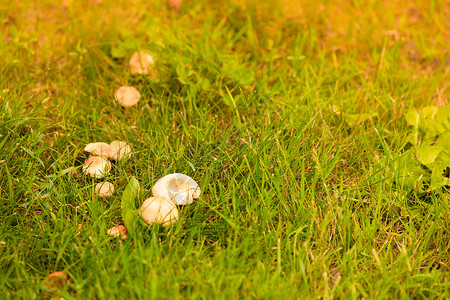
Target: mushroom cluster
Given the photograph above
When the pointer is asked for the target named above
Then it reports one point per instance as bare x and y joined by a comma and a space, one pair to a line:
98, 165
140, 63
168, 192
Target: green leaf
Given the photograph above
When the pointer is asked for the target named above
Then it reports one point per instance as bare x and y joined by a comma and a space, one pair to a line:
412, 117
437, 180
427, 154
130, 44
443, 140
128, 204
244, 76
119, 51
407, 172
440, 124
228, 100
416, 118
429, 112
206, 84
183, 72
444, 157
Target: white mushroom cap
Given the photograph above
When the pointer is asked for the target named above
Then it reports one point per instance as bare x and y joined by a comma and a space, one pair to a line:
98, 149
119, 150
179, 188
159, 210
127, 96
104, 189
96, 166
141, 63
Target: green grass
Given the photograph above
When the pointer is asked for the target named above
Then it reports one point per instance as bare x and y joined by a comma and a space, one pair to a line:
295, 202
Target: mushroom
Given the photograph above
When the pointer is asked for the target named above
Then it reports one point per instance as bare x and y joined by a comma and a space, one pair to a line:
179, 188
141, 63
159, 210
127, 96
119, 150
118, 231
104, 189
98, 149
97, 166
56, 281
175, 4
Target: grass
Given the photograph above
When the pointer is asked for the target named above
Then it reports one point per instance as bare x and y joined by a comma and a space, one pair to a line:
295, 202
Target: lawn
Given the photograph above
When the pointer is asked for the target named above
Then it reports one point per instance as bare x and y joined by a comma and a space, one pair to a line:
318, 132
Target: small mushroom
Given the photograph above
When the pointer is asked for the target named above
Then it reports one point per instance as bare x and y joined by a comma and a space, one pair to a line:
104, 189
97, 166
119, 150
98, 149
141, 63
118, 231
159, 210
175, 4
56, 280
179, 188
127, 96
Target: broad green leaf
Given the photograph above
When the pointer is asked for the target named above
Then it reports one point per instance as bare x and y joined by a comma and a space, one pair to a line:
413, 138
119, 51
131, 44
408, 173
443, 140
444, 157
428, 154
412, 117
428, 169
228, 100
437, 180
440, 124
244, 76
183, 72
442, 164
206, 84
128, 204
429, 112
420, 117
